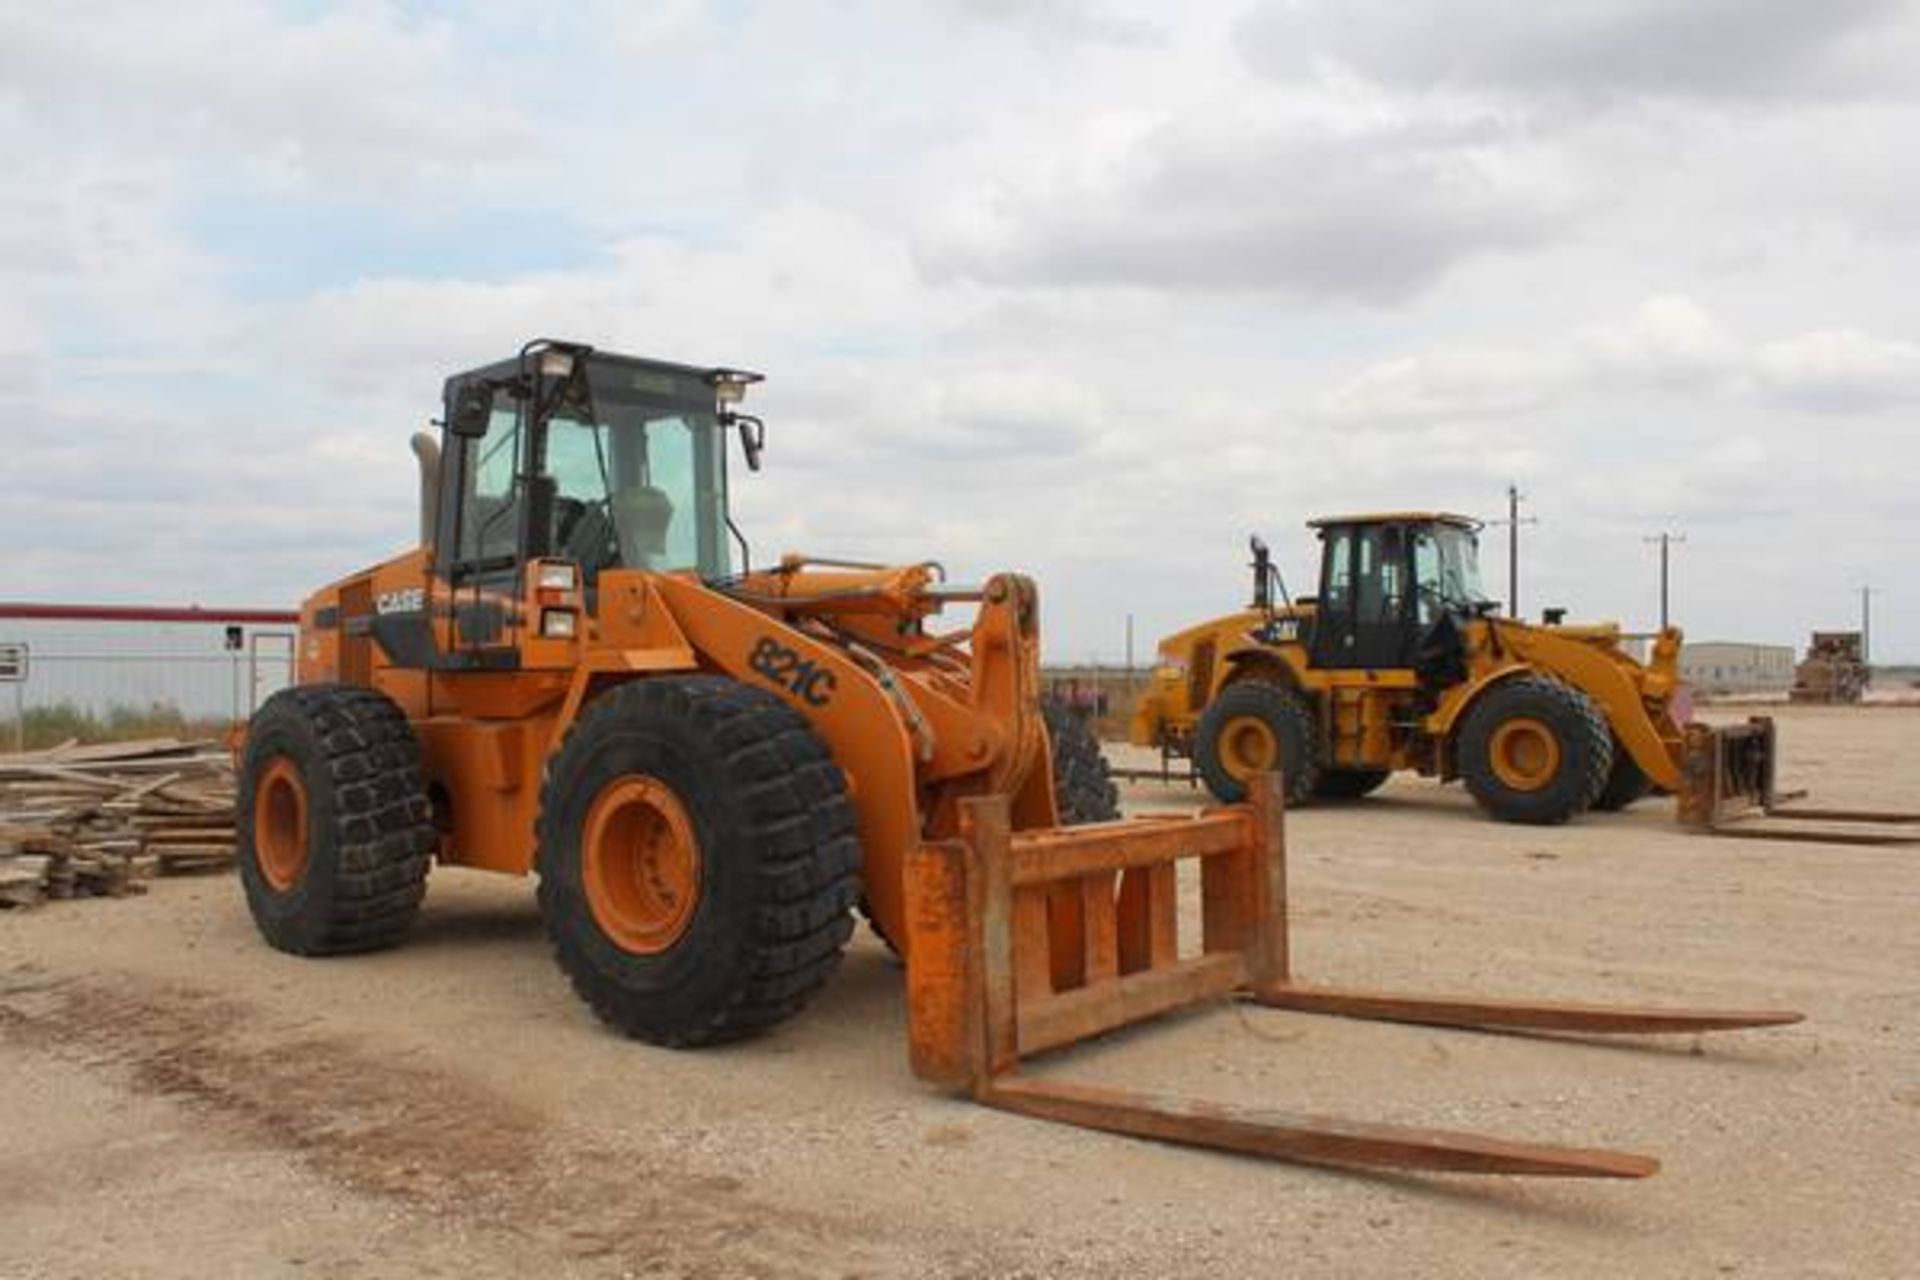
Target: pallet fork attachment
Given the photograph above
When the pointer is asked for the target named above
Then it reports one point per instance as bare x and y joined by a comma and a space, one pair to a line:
1729, 773
1025, 942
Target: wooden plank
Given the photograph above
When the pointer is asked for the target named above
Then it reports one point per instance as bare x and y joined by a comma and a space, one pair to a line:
1308, 1139
1088, 1011
91, 813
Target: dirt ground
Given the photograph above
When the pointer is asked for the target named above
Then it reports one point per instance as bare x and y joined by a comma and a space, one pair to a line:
178, 1100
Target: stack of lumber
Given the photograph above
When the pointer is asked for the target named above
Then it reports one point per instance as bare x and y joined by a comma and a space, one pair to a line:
101, 820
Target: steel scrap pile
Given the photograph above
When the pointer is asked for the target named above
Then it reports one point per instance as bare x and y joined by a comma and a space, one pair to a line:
1833, 671
101, 820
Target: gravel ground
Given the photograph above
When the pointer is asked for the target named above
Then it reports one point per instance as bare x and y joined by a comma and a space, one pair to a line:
180, 1101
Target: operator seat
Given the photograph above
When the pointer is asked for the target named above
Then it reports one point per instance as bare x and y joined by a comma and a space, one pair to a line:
642, 514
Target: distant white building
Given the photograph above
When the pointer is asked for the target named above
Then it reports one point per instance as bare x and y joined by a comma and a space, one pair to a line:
1731, 666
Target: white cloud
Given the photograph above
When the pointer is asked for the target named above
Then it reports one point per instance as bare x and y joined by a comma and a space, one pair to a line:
1671, 345
1841, 371
1671, 341
1594, 49
1259, 194
356, 95
1458, 385
1073, 289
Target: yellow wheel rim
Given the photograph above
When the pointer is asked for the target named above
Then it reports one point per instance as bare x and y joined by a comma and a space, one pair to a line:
640, 865
1524, 753
1248, 746
280, 824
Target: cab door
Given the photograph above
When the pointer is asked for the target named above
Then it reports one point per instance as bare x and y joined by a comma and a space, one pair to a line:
1366, 618
481, 541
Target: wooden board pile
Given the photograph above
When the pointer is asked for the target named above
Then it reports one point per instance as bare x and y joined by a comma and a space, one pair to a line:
101, 820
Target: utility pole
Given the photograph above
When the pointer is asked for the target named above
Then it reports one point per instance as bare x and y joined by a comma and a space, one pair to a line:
1513, 523
1866, 630
1665, 540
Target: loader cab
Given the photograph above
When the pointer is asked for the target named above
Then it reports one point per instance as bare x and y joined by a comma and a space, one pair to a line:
1390, 586
572, 454
567, 454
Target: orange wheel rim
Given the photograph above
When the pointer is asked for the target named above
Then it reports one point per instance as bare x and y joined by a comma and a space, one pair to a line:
280, 824
1248, 746
640, 864
1525, 753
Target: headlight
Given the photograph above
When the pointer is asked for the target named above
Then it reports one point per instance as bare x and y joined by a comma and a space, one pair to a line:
559, 624
557, 575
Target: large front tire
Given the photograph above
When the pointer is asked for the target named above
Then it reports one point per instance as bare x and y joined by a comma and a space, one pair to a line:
334, 827
1083, 789
697, 860
1253, 727
1533, 750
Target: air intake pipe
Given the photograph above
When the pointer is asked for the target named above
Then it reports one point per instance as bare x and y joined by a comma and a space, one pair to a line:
427, 450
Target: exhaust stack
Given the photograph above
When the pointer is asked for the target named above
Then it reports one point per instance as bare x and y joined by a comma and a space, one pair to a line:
427, 450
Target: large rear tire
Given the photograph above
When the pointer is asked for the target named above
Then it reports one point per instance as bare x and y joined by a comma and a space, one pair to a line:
1350, 784
698, 859
1627, 782
1533, 750
334, 827
1082, 784
1255, 726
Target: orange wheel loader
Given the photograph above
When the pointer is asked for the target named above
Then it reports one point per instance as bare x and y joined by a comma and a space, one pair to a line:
709, 766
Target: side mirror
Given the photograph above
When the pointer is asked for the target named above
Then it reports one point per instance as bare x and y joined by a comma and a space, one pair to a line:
472, 411
753, 438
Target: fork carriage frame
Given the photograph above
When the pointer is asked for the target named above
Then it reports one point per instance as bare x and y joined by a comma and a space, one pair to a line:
1730, 775
1027, 942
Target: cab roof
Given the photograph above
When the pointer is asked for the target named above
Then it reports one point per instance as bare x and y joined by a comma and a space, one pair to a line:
684, 378
1400, 517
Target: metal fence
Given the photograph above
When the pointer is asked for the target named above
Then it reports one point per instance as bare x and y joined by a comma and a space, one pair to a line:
72, 671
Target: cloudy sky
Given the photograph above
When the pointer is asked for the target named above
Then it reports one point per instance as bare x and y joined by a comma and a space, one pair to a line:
1091, 290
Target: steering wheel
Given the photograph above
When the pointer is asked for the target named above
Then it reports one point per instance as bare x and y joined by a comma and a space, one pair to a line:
592, 542
566, 514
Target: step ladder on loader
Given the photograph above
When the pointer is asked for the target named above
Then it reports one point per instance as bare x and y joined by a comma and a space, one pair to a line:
1028, 942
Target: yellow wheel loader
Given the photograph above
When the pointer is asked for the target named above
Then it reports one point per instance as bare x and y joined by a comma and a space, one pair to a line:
1400, 662
708, 765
